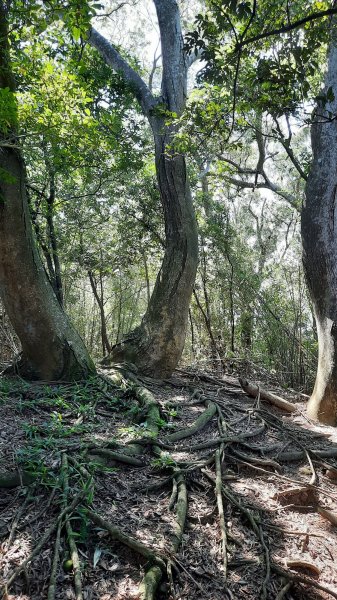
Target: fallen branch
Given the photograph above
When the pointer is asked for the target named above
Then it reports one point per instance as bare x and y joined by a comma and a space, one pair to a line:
256, 391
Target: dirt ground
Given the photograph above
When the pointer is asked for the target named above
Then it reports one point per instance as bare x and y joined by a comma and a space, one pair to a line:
276, 483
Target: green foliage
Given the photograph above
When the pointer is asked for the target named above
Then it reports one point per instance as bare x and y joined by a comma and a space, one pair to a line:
164, 461
8, 111
276, 73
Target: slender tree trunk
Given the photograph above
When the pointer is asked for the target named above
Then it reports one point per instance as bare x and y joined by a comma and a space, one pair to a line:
99, 297
155, 347
319, 227
57, 279
51, 349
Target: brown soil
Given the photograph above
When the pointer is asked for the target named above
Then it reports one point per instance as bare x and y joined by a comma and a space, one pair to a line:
275, 534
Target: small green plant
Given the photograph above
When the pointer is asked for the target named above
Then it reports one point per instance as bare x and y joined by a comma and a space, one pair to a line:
164, 461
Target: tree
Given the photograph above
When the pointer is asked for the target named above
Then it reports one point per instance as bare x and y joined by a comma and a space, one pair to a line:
51, 348
278, 47
319, 241
155, 347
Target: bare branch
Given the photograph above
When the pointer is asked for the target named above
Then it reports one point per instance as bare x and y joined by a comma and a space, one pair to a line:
287, 27
118, 63
286, 145
154, 67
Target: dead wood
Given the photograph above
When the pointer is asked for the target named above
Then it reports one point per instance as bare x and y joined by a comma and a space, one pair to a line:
255, 391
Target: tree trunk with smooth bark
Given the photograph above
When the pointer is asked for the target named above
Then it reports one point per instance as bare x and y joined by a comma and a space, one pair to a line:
155, 347
319, 238
51, 348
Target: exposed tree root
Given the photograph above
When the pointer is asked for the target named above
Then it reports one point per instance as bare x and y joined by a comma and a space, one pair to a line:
66, 511
294, 577
129, 541
218, 489
70, 534
17, 479
198, 424
16, 520
55, 564
153, 575
178, 464
117, 456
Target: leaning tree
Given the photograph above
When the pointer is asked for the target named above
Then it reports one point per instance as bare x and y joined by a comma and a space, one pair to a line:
51, 348
319, 227
155, 347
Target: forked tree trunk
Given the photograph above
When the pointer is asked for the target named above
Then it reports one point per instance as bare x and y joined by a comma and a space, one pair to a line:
155, 347
51, 349
319, 237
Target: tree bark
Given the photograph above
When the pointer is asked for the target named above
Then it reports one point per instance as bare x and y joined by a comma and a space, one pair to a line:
155, 347
319, 226
51, 349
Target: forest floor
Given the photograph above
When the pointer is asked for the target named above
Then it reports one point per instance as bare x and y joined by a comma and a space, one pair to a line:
104, 502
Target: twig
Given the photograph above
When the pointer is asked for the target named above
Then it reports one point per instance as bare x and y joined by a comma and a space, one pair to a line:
284, 478
313, 478
218, 490
174, 494
16, 520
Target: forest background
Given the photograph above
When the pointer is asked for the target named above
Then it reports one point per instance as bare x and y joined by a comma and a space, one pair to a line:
94, 198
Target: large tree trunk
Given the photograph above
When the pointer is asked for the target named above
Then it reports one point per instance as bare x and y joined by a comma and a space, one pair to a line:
319, 230
155, 347
51, 349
